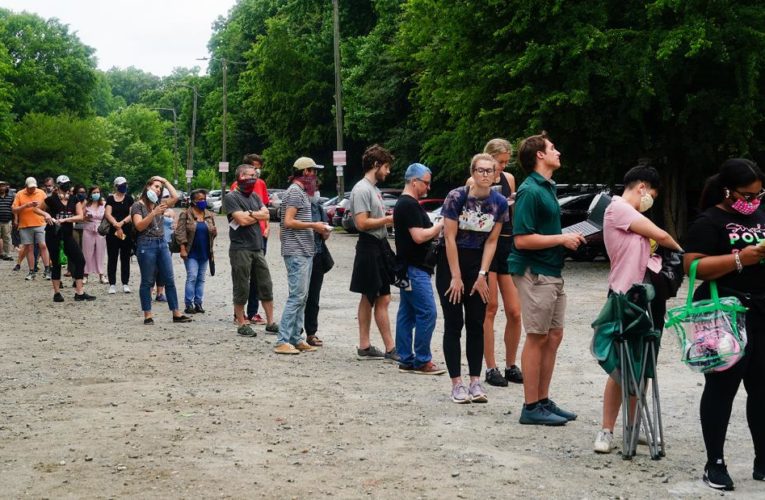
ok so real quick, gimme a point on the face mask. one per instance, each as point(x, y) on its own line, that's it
point(95, 196)
point(646, 202)
point(152, 196)
point(309, 184)
point(246, 186)
point(201, 205)
point(81, 196)
point(122, 188)
point(745, 207)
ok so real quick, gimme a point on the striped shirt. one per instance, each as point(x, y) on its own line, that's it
point(6, 213)
point(297, 241)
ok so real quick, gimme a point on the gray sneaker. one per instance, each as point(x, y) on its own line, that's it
point(460, 394)
point(477, 393)
point(371, 353)
point(30, 276)
point(392, 356)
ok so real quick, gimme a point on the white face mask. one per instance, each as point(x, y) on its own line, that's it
point(152, 196)
point(646, 202)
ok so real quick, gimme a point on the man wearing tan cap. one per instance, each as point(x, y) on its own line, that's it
point(32, 222)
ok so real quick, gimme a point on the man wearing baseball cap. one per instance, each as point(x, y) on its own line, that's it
point(6, 217)
point(32, 222)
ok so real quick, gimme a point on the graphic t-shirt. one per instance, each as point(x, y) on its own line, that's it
point(61, 209)
point(475, 217)
point(718, 232)
point(408, 213)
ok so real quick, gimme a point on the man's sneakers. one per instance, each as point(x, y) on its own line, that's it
point(514, 375)
point(272, 328)
point(112, 289)
point(257, 319)
point(557, 410)
point(460, 394)
point(371, 353)
point(392, 356)
point(716, 476)
point(189, 310)
point(246, 331)
point(81, 297)
point(286, 349)
point(494, 377)
point(57, 297)
point(537, 414)
point(125, 289)
point(604, 441)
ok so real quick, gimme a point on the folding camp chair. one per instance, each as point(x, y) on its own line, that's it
point(626, 344)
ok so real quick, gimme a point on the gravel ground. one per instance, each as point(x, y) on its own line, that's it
point(94, 404)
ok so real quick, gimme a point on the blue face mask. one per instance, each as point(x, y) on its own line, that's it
point(96, 196)
point(152, 196)
point(201, 205)
point(122, 188)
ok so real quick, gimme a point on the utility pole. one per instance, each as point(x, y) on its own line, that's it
point(338, 98)
point(225, 122)
point(175, 133)
point(190, 160)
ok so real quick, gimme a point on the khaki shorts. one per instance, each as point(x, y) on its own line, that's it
point(244, 264)
point(543, 302)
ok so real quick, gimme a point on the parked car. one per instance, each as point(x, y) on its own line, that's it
point(330, 206)
point(339, 211)
point(274, 202)
point(389, 201)
point(576, 208)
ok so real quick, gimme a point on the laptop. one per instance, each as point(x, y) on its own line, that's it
point(594, 222)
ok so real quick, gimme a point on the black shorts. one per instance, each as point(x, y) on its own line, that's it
point(499, 262)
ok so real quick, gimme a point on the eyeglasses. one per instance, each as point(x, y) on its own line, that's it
point(752, 196)
point(427, 183)
point(484, 171)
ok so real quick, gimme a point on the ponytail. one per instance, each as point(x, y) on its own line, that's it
point(712, 193)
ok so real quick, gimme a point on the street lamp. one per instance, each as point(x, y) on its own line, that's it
point(175, 131)
point(190, 161)
point(224, 63)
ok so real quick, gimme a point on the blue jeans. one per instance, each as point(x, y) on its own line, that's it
point(416, 313)
point(298, 278)
point(155, 262)
point(195, 281)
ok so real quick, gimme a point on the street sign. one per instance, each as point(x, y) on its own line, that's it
point(339, 171)
point(223, 166)
point(339, 158)
point(189, 173)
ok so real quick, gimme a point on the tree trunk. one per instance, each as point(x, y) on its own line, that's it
point(675, 201)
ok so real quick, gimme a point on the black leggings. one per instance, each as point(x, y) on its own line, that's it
point(72, 251)
point(311, 324)
point(720, 390)
point(474, 313)
point(116, 247)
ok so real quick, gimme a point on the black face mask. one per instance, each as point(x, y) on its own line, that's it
point(81, 196)
point(65, 186)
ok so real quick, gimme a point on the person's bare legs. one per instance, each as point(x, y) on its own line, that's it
point(268, 307)
point(511, 301)
point(382, 320)
point(612, 401)
point(239, 313)
point(30, 252)
point(549, 353)
point(488, 322)
point(531, 363)
point(44, 254)
point(365, 321)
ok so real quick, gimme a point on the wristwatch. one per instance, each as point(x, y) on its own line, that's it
point(482, 273)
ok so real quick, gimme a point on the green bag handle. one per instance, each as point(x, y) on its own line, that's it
point(692, 282)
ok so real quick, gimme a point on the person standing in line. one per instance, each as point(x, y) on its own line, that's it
point(372, 265)
point(168, 226)
point(416, 318)
point(246, 249)
point(473, 218)
point(32, 221)
point(195, 232)
point(727, 239)
point(6, 220)
point(64, 210)
point(298, 248)
point(321, 261)
point(93, 244)
point(536, 262)
point(151, 248)
point(627, 234)
point(119, 241)
point(500, 280)
point(262, 191)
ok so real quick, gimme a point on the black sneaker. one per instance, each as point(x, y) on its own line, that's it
point(758, 472)
point(514, 375)
point(79, 297)
point(198, 308)
point(57, 297)
point(189, 310)
point(17, 267)
point(182, 319)
point(716, 476)
point(495, 378)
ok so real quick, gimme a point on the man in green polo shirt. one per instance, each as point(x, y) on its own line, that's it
point(535, 262)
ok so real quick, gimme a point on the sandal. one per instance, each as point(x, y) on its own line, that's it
point(314, 341)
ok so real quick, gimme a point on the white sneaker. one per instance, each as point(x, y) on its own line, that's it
point(125, 288)
point(604, 442)
point(112, 289)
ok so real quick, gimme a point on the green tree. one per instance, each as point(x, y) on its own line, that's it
point(130, 83)
point(52, 71)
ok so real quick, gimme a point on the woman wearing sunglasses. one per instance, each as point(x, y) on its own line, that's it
point(727, 239)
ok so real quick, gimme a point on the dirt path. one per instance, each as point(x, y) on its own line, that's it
point(93, 404)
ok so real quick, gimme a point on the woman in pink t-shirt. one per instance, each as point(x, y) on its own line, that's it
point(627, 234)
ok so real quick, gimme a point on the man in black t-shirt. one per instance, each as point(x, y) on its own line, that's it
point(417, 310)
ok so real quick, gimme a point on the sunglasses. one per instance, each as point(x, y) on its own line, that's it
point(749, 197)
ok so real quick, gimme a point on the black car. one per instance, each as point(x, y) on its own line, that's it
point(576, 204)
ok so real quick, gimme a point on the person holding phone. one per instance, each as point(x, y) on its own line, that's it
point(152, 250)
